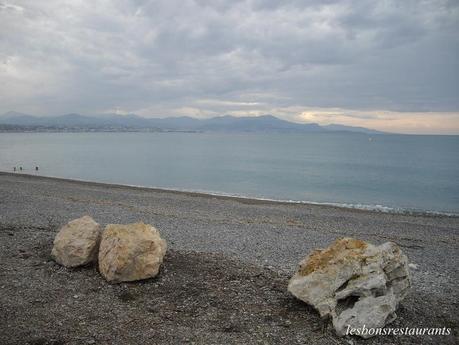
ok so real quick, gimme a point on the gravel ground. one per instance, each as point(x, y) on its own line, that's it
point(224, 278)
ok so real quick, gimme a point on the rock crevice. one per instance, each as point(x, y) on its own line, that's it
point(353, 282)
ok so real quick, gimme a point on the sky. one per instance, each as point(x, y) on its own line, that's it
point(387, 65)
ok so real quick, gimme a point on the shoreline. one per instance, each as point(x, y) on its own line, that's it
point(248, 199)
point(271, 233)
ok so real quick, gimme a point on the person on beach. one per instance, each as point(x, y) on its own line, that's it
point(14, 169)
point(36, 168)
point(20, 168)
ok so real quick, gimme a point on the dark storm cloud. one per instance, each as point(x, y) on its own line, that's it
point(211, 57)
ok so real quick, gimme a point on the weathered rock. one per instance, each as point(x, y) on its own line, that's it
point(130, 252)
point(77, 242)
point(353, 282)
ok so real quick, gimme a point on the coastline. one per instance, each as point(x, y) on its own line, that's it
point(67, 198)
point(217, 246)
point(249, 199)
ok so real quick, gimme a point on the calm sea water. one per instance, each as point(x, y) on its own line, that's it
point(398, 172)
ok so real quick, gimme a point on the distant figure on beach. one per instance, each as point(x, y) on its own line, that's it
point(36, 168)
point(14, 169)
point(20, 168)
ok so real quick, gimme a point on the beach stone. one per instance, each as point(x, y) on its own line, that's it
point(353, 282)
point(130, 252)
point(77, 242)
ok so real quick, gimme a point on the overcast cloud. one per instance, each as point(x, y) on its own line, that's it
point(391, 65)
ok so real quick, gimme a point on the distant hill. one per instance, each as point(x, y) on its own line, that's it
point(114, 122)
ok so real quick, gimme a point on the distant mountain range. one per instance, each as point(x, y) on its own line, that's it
point(112, 122)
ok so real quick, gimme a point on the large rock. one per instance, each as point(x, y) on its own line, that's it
point(353, 282)
point(130, 252)
point(77, 242)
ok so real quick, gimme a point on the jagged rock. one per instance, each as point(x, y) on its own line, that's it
point(130, 252)
point(77, 242)
point(353, 282)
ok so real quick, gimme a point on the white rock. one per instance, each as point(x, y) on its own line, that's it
point(130, 252)
point(77, 242)
point(353, 282)
point(413, 266)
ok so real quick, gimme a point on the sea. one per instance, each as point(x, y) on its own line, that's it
point(388, 173)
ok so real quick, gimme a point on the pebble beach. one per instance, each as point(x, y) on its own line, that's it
point(224, 277)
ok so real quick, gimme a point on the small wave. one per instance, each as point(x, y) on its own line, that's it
point(385, 209)
point(365, 207)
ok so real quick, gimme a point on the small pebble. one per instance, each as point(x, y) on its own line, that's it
point(413, 266)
